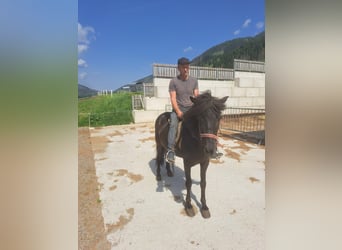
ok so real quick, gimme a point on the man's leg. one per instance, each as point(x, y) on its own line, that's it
point(170, 155)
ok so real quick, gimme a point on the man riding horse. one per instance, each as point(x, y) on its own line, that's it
point(181, 88)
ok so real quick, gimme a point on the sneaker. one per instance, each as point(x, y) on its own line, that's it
point(170, 156)
point(217, 155)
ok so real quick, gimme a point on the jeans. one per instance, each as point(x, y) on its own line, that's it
point(173, 128)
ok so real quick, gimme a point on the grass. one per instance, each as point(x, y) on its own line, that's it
point(105, 110)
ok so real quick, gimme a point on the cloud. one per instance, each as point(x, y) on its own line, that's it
point(82, 47)
point(82, 75)
point(85, 34)
point(188, 49)
point(82, 63)
point(246, 23)
point(259, 25)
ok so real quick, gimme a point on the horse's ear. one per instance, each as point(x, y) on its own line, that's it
point(193, 99)
point(224, 99)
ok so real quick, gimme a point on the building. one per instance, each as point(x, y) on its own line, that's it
point(245, 86)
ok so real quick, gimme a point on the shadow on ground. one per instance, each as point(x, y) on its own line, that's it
point(256, 137)
point(175, 184)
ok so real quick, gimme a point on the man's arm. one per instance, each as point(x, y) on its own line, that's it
point(196, 92)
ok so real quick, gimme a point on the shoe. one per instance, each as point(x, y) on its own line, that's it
point(217, 155)
point(170, 156)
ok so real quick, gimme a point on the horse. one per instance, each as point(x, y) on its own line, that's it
point(196, 143)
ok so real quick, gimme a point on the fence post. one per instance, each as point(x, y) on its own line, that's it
point(89, 120)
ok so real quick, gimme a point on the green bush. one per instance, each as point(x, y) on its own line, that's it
point(107, 110)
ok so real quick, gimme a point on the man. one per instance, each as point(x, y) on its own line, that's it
point(180, 89)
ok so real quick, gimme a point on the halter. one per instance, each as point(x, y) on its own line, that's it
point(208, 135)
point(211, 136)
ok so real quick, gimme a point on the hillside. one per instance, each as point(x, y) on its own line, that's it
point(223, 55)
point(84, 91)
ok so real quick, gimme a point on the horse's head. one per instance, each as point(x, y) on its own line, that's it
point(207, 111)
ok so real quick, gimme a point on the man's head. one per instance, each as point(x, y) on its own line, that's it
point(183, 61)
point(183, 67)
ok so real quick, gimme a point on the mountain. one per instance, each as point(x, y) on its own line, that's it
point(223, 55)
point(136, 86)
point(84, 91)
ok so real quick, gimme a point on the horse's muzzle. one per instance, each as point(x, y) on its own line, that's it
point(209, 150)
point(210, 143)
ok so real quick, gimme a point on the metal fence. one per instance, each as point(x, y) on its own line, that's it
point(149, 89)
point(250, 66)
point(246, 122)
point(137, 102)
point(169, 71)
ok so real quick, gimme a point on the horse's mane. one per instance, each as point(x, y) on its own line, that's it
point(204, 102)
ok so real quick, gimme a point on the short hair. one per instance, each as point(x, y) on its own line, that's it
point(183, 61)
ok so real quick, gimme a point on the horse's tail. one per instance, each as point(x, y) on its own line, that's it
point(161, 129)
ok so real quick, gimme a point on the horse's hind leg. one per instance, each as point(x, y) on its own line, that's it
point(159, 161)
point(168, 169)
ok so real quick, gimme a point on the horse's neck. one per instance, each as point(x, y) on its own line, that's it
point(189, 143)
point(190, 127)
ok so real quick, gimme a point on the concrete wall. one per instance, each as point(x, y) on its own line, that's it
point(249, 79)
point(142, 116)
point(246, 90)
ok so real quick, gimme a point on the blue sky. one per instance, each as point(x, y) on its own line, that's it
point(119, 40)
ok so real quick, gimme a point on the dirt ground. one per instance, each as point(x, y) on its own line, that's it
point(122, 206)
point(91, 232)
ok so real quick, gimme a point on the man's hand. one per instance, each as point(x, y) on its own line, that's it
point(180, 114)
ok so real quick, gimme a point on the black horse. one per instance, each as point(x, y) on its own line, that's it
point(196, 144)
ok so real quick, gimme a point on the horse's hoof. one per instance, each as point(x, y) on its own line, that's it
point(190, 212)
point(205, 213)
point(170, 174)
point(158, 178)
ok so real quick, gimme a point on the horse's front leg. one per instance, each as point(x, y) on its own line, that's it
point(158, 176)
point(188, 182)
point(204, 210)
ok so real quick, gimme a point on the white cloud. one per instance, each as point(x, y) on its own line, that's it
point(85, 34)
point(236, 32)
point(246, 23)
point(82, 63)
point(82, 47)
point(188, 49)
point(259, 25)
point(82, 75)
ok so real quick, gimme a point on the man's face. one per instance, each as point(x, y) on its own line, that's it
point(184, 70)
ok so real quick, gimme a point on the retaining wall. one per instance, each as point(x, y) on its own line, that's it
point(247, 90)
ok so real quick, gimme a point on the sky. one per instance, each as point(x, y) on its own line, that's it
point(120, 40)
